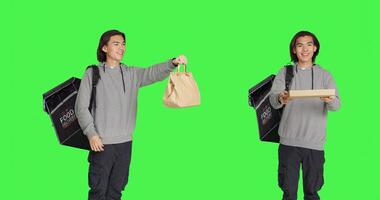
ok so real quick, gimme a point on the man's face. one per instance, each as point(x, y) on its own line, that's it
point(305, 49)
point(115, 48)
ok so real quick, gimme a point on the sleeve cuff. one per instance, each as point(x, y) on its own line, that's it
point(171, 65)
point(89, 132)
point(278, 102)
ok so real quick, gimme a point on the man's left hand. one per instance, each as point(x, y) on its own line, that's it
point(328, 99)
point(180, 60)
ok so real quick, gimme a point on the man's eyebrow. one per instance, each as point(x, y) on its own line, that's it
point(310, 42)
point(118, 42)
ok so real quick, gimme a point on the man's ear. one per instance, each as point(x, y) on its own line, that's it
point(315, 49)
point(294, 51)
point(104, 48)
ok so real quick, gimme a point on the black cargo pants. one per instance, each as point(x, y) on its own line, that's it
point(108, 171)
point(290, 159)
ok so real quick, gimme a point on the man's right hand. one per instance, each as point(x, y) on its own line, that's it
point(96, 143)
point(283, 98)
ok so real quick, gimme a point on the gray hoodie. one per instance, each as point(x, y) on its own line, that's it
point(114, 118)
point(303, 122)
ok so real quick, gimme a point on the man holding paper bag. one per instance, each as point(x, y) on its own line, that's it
point(110, 122)
point(302, 128)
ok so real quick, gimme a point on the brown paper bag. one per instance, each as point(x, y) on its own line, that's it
point(182, 90)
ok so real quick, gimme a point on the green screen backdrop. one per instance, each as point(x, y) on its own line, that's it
point(206, 152)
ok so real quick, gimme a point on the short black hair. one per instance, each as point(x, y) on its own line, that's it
point(292, 45)
point(104, 39)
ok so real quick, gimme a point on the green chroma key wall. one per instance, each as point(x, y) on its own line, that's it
point(206, 152)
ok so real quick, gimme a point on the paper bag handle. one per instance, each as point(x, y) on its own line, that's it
point(184, 68)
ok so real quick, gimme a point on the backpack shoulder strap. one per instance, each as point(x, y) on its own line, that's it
point(95, 80)
point(288, 76)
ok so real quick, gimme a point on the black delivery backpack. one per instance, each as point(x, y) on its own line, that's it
point(268, 118)
point(59, 103)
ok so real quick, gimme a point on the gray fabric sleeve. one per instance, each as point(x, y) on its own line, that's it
point(85, 119)
point(277, 87)
point(154, 73)
point(334, 105)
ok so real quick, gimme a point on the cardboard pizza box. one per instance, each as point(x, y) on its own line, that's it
point(311, 93)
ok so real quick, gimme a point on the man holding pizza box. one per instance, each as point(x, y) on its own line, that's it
point(312, 93)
